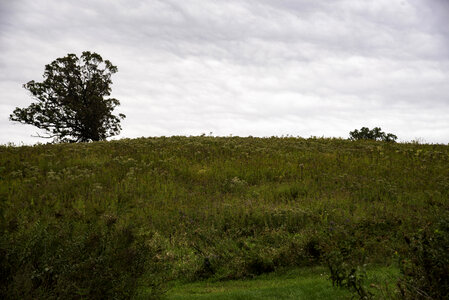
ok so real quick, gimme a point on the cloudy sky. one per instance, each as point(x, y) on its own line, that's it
point(245, 67)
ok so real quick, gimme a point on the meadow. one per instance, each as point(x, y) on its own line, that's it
point(137, 218)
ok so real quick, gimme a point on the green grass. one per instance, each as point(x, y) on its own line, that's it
point(304, 283)
point(297, 284)
point(211, 208)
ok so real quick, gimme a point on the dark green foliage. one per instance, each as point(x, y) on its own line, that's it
point(346, 275)
point(375, 134)
point(73, 261)
point(71, 104)
point(425, 266)
point(313, 249)
point(344, 254)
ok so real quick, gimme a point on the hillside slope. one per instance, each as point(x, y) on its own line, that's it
point(201, 207)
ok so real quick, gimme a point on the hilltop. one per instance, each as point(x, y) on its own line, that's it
point(111, 218)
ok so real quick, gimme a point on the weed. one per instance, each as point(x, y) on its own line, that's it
point(133, 213)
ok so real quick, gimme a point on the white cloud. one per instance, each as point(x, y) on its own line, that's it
point(249, 67)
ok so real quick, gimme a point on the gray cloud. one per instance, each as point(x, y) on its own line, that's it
point(249, 67)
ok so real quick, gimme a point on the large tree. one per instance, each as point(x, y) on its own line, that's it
point(72, 103)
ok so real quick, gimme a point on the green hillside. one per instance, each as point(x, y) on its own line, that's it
point(110, 219)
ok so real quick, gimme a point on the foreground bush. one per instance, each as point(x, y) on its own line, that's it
point(344, 254)
point(48, 261)
point(425, 270)
point(423, 264)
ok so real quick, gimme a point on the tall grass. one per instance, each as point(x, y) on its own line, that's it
point(197, 207)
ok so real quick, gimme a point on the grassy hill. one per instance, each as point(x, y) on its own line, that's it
point(112, 218)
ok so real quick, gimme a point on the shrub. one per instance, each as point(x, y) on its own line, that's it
point(375, 134)
point(346, 273)
point(344, 254)
point(49, 261)
point(425, 269)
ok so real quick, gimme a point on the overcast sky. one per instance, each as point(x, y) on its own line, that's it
point(245, 67)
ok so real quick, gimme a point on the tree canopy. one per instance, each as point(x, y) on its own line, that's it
point(374, 134)
point(72, 103)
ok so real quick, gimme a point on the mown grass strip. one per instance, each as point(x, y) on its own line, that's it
point(304, 283)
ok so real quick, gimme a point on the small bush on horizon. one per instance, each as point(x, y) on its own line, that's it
point(375, 134)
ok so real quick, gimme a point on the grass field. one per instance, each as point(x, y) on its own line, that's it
point(114, 218)
point(302, 283)
point(309, 283)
